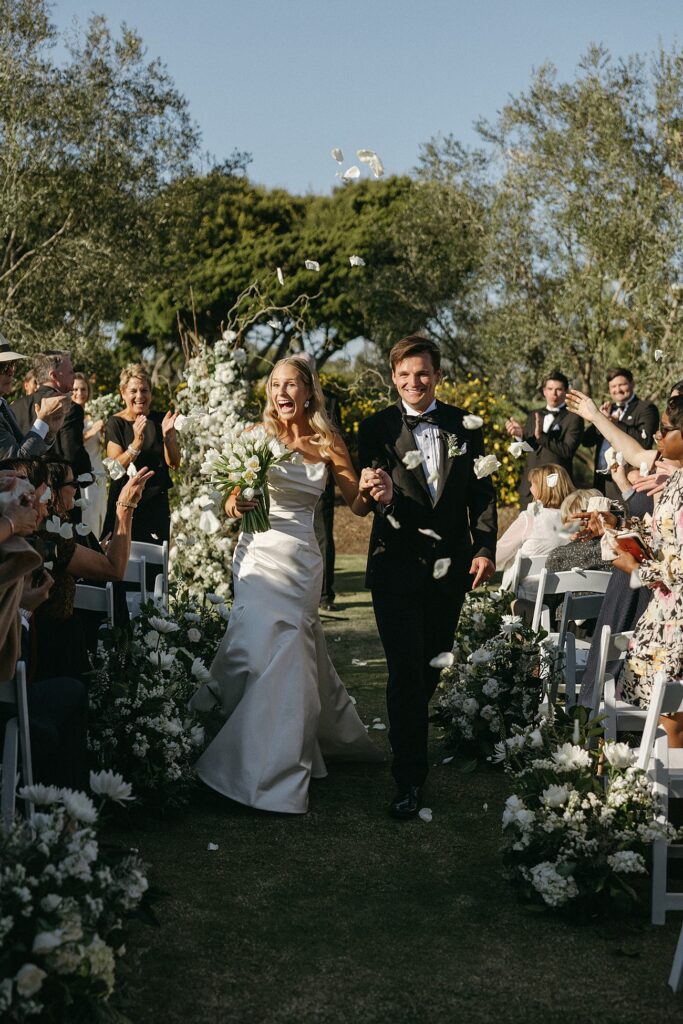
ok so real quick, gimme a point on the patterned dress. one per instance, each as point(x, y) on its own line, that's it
point(657, 643)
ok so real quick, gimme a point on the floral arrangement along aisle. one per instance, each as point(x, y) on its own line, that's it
point(573, 837)
point(210, 404)
point(492, 680)
point(144, 677)
point(64, 899)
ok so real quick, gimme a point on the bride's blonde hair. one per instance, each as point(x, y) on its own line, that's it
point(324, 433)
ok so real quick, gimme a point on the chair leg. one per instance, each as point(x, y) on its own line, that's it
point(659, 872)
point(677, 965)
point(10, 762)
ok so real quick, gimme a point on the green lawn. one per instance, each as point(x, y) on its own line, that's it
point(344, 916)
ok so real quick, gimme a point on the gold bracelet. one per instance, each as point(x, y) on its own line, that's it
point(128, 504)
point(11, 524)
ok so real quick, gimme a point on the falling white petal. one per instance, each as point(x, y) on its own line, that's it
point(447, 760)
point(280, 275)
point(275, 324)
point(441, 567)
point(356, 261)
point(643, 434)
point(433, 478)
point(369, 157)
point(471, 422)
point(412, 459)
point(45, 496)
point(430, 533)
point(132, 471)
point(484, 465)
point(211, 847)
point(357, 661)
point(578, 569)
point(351, 173)
point(393, 522)
point(425, 814)
point(644, 469)
point(82, 529)
point(338, 155)
point(552, 479)
point(658, 354)
point(444, 660)
point(312, 265)
point(380, 726)
point(517, 448)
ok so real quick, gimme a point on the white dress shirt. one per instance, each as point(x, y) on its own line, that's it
point(427, 440)
point(550, 417)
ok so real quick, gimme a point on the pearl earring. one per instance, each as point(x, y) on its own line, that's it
point(306, 403)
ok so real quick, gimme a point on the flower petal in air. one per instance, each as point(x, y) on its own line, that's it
point(338, 155)
point(471, 422)
point(484, 465)
point(441, 567)
point(430, 533)
point(412, 459)
point(312, 265)
point(425, 814)
point(393, 521)
point(351, 173)
point(658, 354)
point(280, 275)
point(518, 448)
point(443, 660)
point(356, 261)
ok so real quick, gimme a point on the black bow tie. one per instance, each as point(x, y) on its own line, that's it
point(426, 417)
point(553, 412)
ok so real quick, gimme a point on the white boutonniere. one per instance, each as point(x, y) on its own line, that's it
point(454, 447)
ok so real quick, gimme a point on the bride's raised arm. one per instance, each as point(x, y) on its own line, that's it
point(360, 495)
point(633, 452)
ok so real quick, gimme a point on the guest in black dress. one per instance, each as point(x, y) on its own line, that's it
point(147, 439)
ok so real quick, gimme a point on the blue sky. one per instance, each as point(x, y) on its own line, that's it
point(287, 80)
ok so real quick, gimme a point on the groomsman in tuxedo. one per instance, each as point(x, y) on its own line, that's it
point(55, 374)
point(433, 540)
point(637, 418)
point(551, 434)
point(46, 415)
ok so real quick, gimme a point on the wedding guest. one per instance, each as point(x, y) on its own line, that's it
point(30, 383)
point(632, 416)
point(45, 415)
point(95, 494)
point(55, 374)
point(136, 435)
point(17, 558)
point(583, 551)
point(539, 528)
point(62, 647)
point(553, 433)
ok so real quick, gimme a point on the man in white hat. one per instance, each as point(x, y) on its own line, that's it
point(49, 414)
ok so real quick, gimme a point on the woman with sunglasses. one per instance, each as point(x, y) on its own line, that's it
point(61, 638)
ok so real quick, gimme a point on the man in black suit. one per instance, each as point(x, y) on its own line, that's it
point(45, 415)
point(553, 433)
point(438, 528)
point(637, 418)
point(55, 373)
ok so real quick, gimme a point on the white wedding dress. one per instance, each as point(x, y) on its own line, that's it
point(285, 705)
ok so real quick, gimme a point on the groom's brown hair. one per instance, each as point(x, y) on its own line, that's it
point(414, 345)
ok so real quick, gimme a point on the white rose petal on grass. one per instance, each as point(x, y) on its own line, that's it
point(356, 261)
point(351, 173)
point(425, 814)
point(338, 155)
point(280, 275)
point(380, 726)
point(430, 533)
point(472, 422)
point(441, 567)
point(29, 979)
point(212, 847)
point(312, 265)
point(413, 459)
point(443, 660)
point(447, 760)
point(518, 448)
point(552, 479)
point(485, 465)
point(112, 785)
point(393, 522)
point(357, 661)
point(658, 354)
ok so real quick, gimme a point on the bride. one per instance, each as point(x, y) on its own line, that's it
point(284, 703)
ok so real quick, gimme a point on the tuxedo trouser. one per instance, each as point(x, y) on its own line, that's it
point(57, 712)
point(414, 627)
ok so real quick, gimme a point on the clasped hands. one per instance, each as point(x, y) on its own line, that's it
point(376, 484)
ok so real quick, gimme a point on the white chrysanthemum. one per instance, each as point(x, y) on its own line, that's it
point(112, 785)
point(555, 796)
point(79, 806)
point(569, 757)
point(619, 755)
point(40, 795)
point(29, 979)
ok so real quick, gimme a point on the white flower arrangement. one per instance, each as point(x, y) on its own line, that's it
point(143, 679)
point(64, 900)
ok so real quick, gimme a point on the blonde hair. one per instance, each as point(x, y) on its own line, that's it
point(82, 376)
point(577, 501)
point(551, 497)
point(324, 433)
point(134, 371)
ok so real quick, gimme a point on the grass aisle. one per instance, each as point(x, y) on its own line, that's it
point(344, 916)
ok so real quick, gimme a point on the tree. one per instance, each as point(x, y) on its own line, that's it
point(84, 149)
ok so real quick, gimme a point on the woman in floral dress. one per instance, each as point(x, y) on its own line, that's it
point(657, 643)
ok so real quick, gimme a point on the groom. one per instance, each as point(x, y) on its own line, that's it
point(438, 530)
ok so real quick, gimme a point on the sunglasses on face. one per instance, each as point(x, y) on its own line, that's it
point(664, 430)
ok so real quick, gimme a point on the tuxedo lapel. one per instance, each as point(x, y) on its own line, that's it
point(405, 442)
point(446, 426)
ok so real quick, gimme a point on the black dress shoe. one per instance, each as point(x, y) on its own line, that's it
point(406, 803)
point(328, 606)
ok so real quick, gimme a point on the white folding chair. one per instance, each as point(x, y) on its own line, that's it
point(153, 554)
point(677, 965)
point(17, 746)
point(525, 573)
point(96, 599)
point(571, 654)
point(618, 714)
point(665, 766)
point(136, 572)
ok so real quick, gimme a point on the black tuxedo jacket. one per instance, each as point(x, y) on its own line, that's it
point(68, 442)
point(463, 512)
point(558, 445)
point(640, 421)
point(16, 443)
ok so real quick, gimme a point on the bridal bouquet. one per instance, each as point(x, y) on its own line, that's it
point(245, 461)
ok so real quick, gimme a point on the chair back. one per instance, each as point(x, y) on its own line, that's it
point(525, 566)
point(153, 554)
point(96, 599)
point(666, 699)
point(17, 741)
point(589, 582)
point(613, 647)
